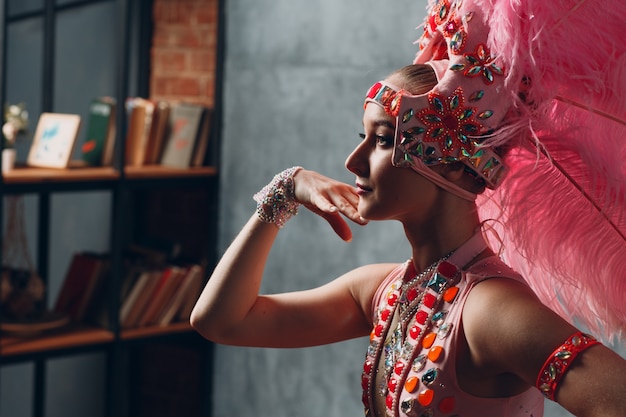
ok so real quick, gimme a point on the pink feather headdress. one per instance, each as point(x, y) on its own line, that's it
point(560, 215)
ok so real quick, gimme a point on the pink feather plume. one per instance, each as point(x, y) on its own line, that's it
point(562, 211)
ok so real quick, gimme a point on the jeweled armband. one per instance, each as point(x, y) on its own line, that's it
point(560, 360)
point(276, 202)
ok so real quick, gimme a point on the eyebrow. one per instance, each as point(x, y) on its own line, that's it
point(384, 123)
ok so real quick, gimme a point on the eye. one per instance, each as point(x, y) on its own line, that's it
point(362, 136)
point(384, 140)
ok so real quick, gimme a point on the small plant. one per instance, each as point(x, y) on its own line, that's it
point(15, 122)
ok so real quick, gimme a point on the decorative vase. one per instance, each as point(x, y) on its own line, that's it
point(8, 159)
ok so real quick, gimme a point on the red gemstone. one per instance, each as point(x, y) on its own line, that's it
point(414, 332)
point(365, 382)
point(389, 401)
point(392, 384)
point(367, 366)
point(385, 315)
point(398, 368)
point(429, 300)
point(447, 269)
point(391, 300)
point(378, 330)
point(421, 317)
point(411, 294)
point(447, 405)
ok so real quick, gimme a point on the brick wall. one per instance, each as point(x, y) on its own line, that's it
point(183, 51)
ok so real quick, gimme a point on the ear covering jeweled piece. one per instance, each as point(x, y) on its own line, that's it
point(444, 132)
point(460, 118)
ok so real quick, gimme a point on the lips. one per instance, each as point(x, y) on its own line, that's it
point(362, 189)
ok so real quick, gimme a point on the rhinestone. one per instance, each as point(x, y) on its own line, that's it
point(485, 115)
point(407, 405)
point(444, 330)
point(563, 355)
point(437, 282)
point(477, 95)
point(438, 317)
point(419, 363)
point(430, 376)
point(407, 115)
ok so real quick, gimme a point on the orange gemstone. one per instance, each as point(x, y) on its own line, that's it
point(425, 397)
point(429, 339)
point(450, 294)
point(434, 354)
point(411, 384)
point(447, 405)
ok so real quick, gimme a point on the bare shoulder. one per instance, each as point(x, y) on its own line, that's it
point(365, 280)
point(509, 330)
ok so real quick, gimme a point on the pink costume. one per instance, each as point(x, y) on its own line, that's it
point(417, 377)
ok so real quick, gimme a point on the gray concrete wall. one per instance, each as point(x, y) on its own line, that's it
point(295, 78)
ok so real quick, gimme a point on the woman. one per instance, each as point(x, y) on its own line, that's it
point(454, 331)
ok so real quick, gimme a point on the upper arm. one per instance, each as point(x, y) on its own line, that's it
point(509, 330)
point(338, 310)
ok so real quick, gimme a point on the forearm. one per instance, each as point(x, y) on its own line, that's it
point(233, 288)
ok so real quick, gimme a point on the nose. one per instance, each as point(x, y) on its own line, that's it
point(357, 162)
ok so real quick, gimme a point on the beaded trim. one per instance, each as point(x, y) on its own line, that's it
point(443, 276)
point(276, 202)
point(560, 360)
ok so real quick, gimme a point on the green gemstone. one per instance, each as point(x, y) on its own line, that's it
point(477, 95)
point(485, 115)
point(407, 115)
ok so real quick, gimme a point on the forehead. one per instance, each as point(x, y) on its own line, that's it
point(374, 116)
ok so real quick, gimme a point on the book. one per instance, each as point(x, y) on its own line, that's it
point(158, 131)
point(185, 125)
point(138, 298)
point(202, 142)
point(54, 140)
point(140, 112)
point(189, 284)
point(170, 279)
point(191, 298)
point(79, 284)
point(97, 149)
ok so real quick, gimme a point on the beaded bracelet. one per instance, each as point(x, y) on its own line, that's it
point(276, 202)
point(559, 361)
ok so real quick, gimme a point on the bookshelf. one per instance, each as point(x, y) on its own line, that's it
point(125, 350)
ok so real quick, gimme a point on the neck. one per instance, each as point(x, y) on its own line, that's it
point(433, 239)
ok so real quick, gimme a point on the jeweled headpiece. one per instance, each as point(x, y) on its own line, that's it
point(455, 120)
point(545, 79)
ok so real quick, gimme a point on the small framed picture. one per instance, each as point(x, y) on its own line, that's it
point(54, 140)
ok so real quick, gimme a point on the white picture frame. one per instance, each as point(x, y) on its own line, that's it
point(54, 140)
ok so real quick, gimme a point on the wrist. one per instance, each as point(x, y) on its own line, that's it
point(276, 202)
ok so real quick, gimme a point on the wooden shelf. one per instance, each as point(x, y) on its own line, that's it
point(69, 337)
point(30, 175)
point(151, 331)
point(158, 171)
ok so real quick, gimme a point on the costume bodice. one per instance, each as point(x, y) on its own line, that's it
point(410, 365)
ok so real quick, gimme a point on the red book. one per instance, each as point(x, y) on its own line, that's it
point(80, 281)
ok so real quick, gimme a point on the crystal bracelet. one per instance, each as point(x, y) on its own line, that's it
point(276, 202)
